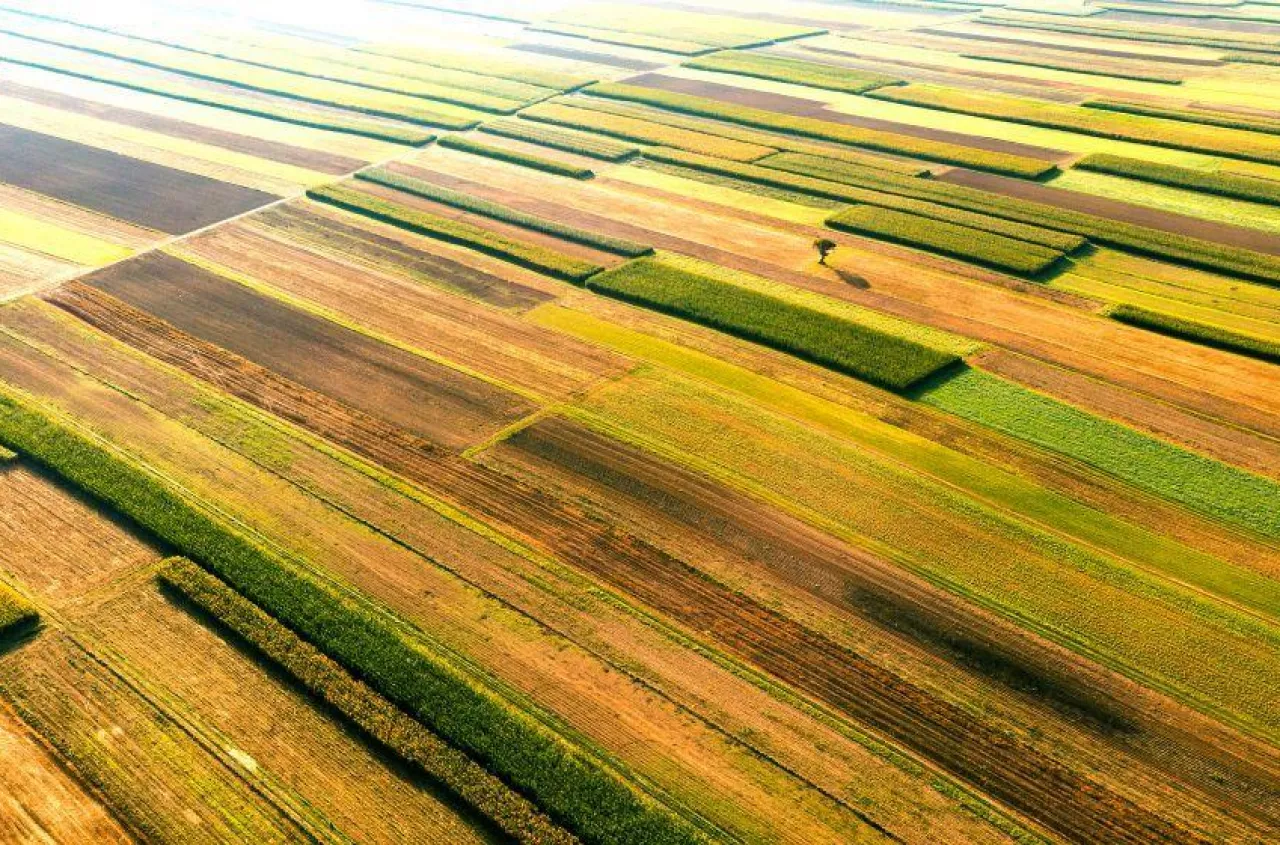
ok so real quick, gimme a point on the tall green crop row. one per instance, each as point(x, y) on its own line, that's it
point(574, 789)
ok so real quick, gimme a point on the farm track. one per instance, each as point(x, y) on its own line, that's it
point(1004, 767)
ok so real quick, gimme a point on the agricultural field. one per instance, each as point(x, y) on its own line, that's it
point(640, 423)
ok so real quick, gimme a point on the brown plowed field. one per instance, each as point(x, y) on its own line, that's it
point(270, 150)
point(313, 224)
point(479, 338)
point(430, 399)
point(699, 519)
point(140, 192)
point(813, 108)
point(848, 682)
point(1138, 215)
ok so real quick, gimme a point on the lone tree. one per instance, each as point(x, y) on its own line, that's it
point(824, 246)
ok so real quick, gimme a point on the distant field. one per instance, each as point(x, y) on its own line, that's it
point(623, 423)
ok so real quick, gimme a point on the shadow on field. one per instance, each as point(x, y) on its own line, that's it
point(402, 769)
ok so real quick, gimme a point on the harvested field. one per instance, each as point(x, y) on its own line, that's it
point(640, 423)
point(42, 802)
point(144, 194)
point(439, 403)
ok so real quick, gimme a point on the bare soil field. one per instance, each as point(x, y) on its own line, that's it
point(138, 192)
point(340, 362)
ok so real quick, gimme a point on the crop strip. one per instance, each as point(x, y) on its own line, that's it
point(873, 139)
point(1140, 129)
point(1134, 33)
point(860, 185)
point(1079, 67)
point(559, 168)
point(455, 231)
point(1000, 764)
point(371, 712)
point(795, 71)
point(1221, 184)
point(1196, 332)
point(467, 202)
point(862, 351)
point(573, 788)
point(946, 238)
point(566, 140)
point(1209, 118)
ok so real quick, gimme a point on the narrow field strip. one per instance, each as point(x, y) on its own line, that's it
point(571, 787)
point(873, 139)
point(1221, 184)
point(945, 238)
point(1200, 483)
point(487, 63)
point(1196, 332)
point(1210, 118)
point(559, 168)
point(565, 140)
point(51, 239)
point(376, 716)
point(1085, 67)
point(467, 202)
point(794, 71)
point(868, 353)
point(323, 92)
point(1230, 143)
point(455, 231)
point(641, 131)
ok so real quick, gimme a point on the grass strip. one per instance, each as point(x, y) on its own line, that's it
point(1252, 58)
point(861, 186)
point(568, 140)
point(1267, 126)
point(642, 131)
point(258, 108)
point(455, 231)
point(1153, 465)
point(17, 615)
point(786, 143)
point(559, 168)
point(854, 136)
point(795, 71)
point(1202, 333)
point(946, 238)
point(1079, 67)
point(371, 712)
point(1158, 132)
point(577, 791)
point(467, 202)
point(865, 352)
point(1221, 184)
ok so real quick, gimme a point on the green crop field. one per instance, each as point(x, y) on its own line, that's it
point(635, 423)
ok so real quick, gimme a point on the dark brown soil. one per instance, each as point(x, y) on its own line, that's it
point(1138, 215)
point(1077, 806)
point(270, 150)
point(812, 108)
point(429, 399)
point(139, 192)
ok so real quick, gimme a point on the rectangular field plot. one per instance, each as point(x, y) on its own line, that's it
point(138, 192)
point(423, 396)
